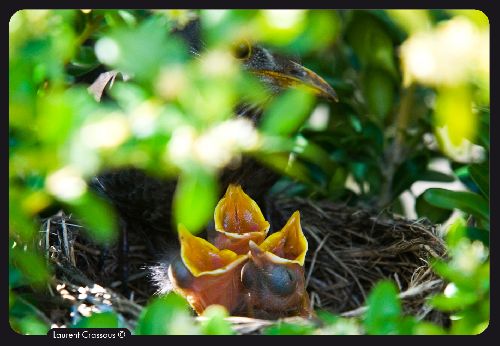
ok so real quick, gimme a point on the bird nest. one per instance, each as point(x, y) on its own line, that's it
point(350, 250)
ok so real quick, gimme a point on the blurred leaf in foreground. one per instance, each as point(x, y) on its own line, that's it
point(284, 328)
point(384, 315)
point(384, 309)
point(167, 315)
point(336, 325)
point(195, 199)
point(32, 265)
point(99, 320)
point(98, 217)
point(287, 113)
point(215, 323)
point(467, 294)
point(29, 325)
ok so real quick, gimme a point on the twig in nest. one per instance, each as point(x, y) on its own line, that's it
point(346, 268)
point(47, 242)
point(91, 251)
point(68, 250)
point(313, 261)
point(131, 278)
point(411, 292)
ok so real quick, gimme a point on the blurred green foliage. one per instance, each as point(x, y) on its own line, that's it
point(409, 95)
point(167, 315)
point(384, 312)
point(99, 320)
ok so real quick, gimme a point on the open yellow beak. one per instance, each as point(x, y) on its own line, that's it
point(288, 245)
point(203, 258)
point(206, 275)
point(238, 219)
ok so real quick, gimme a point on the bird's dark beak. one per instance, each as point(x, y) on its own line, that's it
point(296, 75)
point(260, 257)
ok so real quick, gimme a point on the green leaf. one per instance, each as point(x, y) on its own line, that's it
point(15, 277)
point(474, 233)
point(322, 28)
point(287, 112)
point(480, 174)
point(406, 325)
point(337, 181)
point(315, 154)
point(32, 266)
point(327, 317)
point(282, 163)
point(20, 224)
point(454, 275)
point(284, 328)
point(55, 118)
point(468, 202)
point(127, 94)
point(434, 214)
point(407, 173)
point(427, 328)
point(216, 323)
point(84, 62)
point(460, 300)
point(456, 232)
point(373, 134)
point(195, 199)
point(484, 130)
point(431, 175)
point(470, 323)
point(167, 315)
point(29, 325)
point(463, 174)
point(99, 320)
point(384, 309)
point(142, 50)
point(371, 43)
point(98, 216)
point(379, 92)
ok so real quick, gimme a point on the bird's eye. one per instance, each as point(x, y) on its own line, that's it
point(248, 275)
point(242, 50)
point(282, 281)
point(181, 274)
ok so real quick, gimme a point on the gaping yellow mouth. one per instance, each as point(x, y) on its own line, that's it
point(203, 258)
point(238, 219)
point(288, 245)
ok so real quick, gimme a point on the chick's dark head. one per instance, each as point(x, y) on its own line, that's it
point(274, 288)
point(274, 278)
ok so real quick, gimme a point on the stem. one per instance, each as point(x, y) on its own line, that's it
point(90, 27)
point(395, 153)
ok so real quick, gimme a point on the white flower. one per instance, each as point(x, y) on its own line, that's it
point(448, 55)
